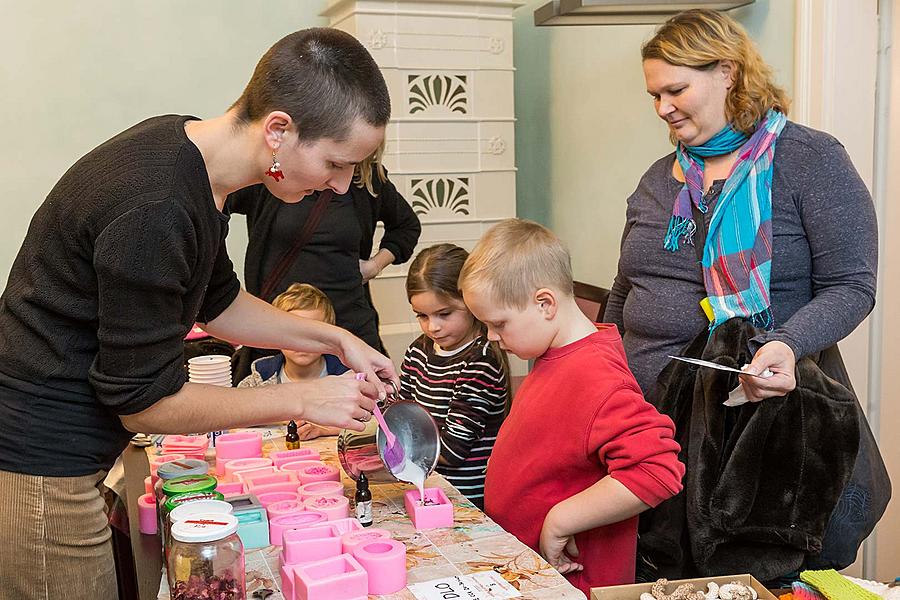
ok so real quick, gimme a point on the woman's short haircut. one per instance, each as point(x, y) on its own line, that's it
point(514, 259)
point(303, 296)
point(700, 39)
point(323, 78)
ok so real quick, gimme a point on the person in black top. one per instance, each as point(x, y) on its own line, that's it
point(337, 258)
point(125, 254)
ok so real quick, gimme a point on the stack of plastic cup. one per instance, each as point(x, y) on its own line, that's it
point(213, 369)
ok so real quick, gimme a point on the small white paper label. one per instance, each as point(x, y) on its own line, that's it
point(484, 585)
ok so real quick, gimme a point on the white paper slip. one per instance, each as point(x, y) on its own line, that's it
point(736, 397)
point(484, 585)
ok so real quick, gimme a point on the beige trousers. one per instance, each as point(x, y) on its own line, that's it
point(55, 541)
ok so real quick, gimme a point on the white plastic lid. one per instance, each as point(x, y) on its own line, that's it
point(183, 511)
point(205, 527)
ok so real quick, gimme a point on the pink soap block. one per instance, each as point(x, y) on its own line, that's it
point(234, 488)
point(273, 497)
point(245, 464)
point(352, 539)
point(290, 486)
point(310, 544)
point(246, 474)
point(321, 472)
point(285, 456)
point(287, 582)
point(385, 562)
point(320, 488)
point(256, 480)
point(338, 578)
point(298, 520)
point(284, 507)
point(147, 521)
point(242, 444)
point(438, 511)
point(334, 507)
point(298, 465)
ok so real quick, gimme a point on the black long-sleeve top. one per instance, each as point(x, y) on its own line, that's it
point(124, 255)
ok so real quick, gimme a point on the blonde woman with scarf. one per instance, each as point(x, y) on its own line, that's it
point(751, 217)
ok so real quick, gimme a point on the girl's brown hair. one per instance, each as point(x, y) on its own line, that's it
point(700, 39)
point(436, 269)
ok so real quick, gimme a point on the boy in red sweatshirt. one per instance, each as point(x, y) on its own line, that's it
point(581, 453)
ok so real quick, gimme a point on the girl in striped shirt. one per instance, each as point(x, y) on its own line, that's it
point(453, 371)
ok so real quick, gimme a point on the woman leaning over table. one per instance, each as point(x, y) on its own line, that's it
point(796, 219)
point(125, 254)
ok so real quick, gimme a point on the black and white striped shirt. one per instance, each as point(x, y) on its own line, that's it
point(465, 392)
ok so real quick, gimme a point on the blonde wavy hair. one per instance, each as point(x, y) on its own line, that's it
point(700, 39)
point(362, 175)
point(303, 296)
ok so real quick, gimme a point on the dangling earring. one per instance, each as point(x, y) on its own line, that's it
point(275, 171)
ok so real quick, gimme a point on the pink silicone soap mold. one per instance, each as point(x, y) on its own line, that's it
point(298, 520)
point(437, 510)
point(310, 544)
point(338, 578)
point(320, 488)
point(334, 507)
point(385, 562)
point(285, 456)
point(321, 472)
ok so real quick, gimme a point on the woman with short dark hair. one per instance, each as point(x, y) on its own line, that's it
point(125, 254)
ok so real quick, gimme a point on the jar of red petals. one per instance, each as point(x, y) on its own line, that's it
point(207, 559)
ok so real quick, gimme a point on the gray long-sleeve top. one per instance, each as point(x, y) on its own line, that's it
point(825, 255)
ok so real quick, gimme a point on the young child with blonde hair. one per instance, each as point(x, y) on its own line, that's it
point(453, 371)
point(310, 302)
point(581, 453)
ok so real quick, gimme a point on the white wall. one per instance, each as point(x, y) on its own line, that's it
point(76, 73)
point(586, 128)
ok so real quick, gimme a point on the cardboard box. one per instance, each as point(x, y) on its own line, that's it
point(634, 591)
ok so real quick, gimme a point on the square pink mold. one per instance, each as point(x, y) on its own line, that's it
point(437, 511)
point(338, 578)
point(284, 456)
point(310, 544)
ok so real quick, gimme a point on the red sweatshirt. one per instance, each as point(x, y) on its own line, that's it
point(578, 417)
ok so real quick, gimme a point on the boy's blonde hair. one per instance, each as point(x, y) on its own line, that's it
point(303, 296)
point(515, 258)
point(700, 38)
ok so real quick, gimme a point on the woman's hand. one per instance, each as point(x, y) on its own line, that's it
point(362, 358)
point(334, 401)
point(558, 549)
point(310, 431)
point(369, 269)
point(778, 358)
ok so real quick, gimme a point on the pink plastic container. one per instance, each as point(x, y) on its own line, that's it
point(334, 507)
point(348, 525)
point(290, 486)
point(352, 539)
point(244, 464)
point(272, 497)
point(246, 474)
point(148, 484)
point(242, 444)
point(234, 488)
point(338, 578)
point(287, 582)
point(298, 465)
point(284, 507)
point(298, 520)
point(286, 456)
point(385, 562)
point(256, 480)
point(310, 544)
point(321, 472)
point(147, 522)
point(437, 512)
point(317, 489)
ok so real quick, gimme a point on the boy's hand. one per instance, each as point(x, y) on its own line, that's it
point(559, 550)
point(310, 431)
point(334, 401)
